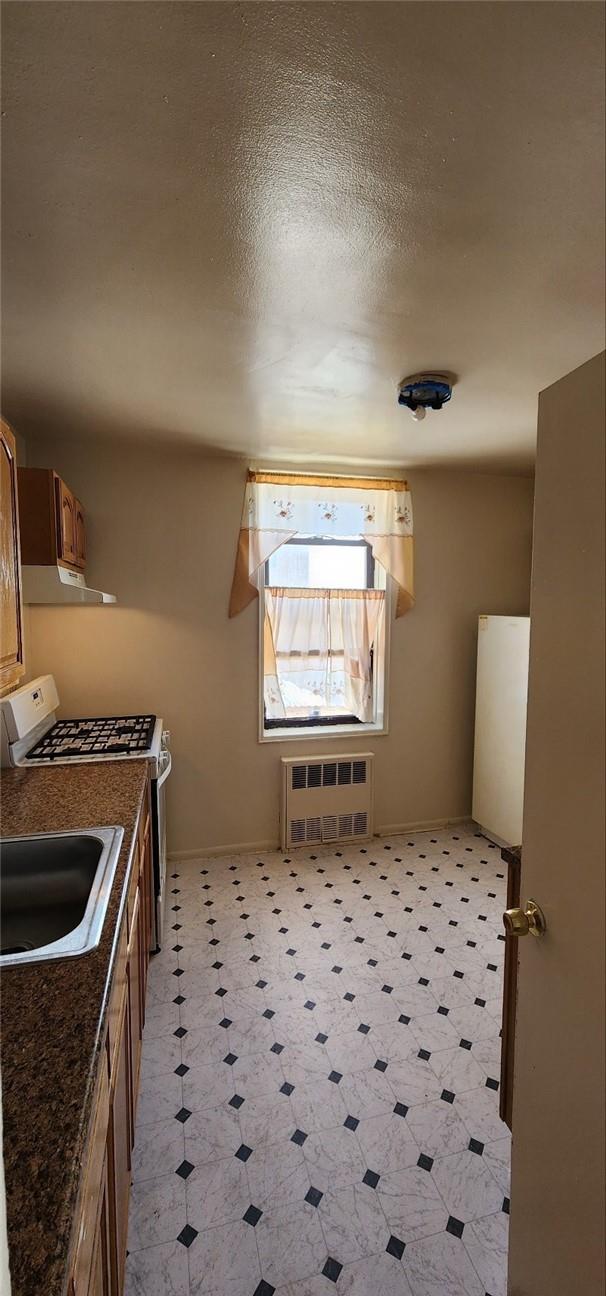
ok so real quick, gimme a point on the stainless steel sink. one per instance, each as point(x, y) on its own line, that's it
point(54, 892)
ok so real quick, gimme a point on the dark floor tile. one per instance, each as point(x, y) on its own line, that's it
point(187, 1235)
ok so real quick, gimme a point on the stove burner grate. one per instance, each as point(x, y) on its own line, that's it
point(94, 737)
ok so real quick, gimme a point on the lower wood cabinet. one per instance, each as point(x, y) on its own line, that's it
point(102, 1225)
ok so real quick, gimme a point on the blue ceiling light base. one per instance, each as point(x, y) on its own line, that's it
point(424, 391)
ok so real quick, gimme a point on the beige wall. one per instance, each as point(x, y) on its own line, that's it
point(558, 1163)
point(162, 536)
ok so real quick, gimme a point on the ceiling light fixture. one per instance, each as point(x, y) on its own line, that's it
point(423, 391)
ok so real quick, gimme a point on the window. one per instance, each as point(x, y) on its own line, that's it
point(323, 619)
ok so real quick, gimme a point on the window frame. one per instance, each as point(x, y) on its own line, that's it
point(325, 728)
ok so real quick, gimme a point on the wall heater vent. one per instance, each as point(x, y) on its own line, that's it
point(326, 799)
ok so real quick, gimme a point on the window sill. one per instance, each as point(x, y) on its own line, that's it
point(323, 731)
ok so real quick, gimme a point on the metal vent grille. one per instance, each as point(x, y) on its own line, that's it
point(346, 825)
point(327, 828)
point(329, 774)
point(326, 799)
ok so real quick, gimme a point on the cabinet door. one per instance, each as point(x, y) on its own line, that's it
point(148, 898)
point(66, 508)
point(11, 615)
point(120, 1144)
point(94, 1187)
point(135, 968)
point(80, 535)
point(100, 1276)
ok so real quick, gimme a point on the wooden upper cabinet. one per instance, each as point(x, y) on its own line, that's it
point(52, 520)
point(66, 505)
point(80, 558)
point(12, 665)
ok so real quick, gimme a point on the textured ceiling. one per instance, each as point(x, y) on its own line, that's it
point(241, 224)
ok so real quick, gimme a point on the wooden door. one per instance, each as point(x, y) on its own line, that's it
point(80, 534)
point(66, 508)
point(558, 1163)
point(511, 857)
point(11, 614)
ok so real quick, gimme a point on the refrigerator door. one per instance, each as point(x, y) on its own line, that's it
point(500, 727)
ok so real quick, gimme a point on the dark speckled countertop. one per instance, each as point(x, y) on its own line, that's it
point(52, 1023)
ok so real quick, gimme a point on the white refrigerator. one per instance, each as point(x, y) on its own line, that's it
point(500, 728)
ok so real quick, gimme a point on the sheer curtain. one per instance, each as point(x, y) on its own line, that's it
point(318, 651)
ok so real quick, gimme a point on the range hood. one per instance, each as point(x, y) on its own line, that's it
point(56, 584)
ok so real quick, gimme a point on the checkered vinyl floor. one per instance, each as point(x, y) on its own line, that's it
point(318, 1109)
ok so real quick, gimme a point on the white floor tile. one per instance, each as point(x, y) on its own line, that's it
point(277, 1175)
point(224, 1259)
point(212, 1134)
point(217, 1193)
point(353, 1222)
point(498, 1157)
point(381, 1275)
point(160, 1097)
point(159, 1149)
point(440, 1266)
point(157, 1271)
point(291, 1244)
point(335, 1159)
point(320, 1105)
point(157, 1211)
point(466, 1186)
point(437, 1129)
point(486, 1244)
point(412, 1204)
point(386, 1143)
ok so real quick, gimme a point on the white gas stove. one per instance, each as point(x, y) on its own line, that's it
point(31, 735)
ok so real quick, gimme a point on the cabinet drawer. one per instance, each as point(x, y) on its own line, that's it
point(92, 1190)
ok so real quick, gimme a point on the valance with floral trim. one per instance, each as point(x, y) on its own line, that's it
point(280, 506)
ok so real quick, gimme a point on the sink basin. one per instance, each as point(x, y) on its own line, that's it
point(54, 892)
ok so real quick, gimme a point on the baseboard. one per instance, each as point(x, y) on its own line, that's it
point(236, 848)
point(421, 825)
point(259, 847)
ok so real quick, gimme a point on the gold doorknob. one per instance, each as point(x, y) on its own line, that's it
point(519, 922)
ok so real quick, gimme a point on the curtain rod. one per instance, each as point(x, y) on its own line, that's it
point(328, 479)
